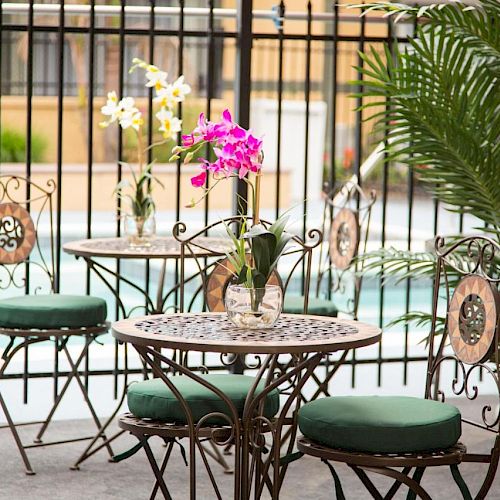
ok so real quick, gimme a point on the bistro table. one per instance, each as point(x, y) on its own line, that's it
point(161, 247)
point(286, 355)
point(115, 249)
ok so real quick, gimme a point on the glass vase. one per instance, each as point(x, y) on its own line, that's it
point(254, 308)
point(140, 230)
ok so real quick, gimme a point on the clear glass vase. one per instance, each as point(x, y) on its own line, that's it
point(140, 230)
point(254, 308)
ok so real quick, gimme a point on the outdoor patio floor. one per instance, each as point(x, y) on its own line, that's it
point(132, 478)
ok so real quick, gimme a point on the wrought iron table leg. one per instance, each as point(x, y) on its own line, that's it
point(300, 372)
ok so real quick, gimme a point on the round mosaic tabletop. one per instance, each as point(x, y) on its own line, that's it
point(161, 247)
point(213, 332)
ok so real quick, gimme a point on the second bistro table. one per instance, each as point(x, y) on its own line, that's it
point(162, 247)
point(114, 249)
point(305, 340)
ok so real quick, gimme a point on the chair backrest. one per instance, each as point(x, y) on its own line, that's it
point(346, 216)
point(24, 208)
point(467, 278)
point(216, 273)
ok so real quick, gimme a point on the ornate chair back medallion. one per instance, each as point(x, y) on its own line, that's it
point(344, 238)
point(17, 233)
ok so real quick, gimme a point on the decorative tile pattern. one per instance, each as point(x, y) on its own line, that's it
point(17, 233)
point(473, 319)
point(344, 238)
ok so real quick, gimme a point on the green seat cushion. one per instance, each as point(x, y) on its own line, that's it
point(52, 311)
point(153, 399)
point(294, 304)
point(385, 424)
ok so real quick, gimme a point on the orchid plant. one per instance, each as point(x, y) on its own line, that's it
point(126, 114)
point(237, 153)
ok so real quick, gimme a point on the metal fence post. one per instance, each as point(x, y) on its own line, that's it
point(243, 80)
point(242, 91)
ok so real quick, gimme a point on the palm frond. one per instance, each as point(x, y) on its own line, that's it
point(443, 117)
point(398, 265)
point(420, 319)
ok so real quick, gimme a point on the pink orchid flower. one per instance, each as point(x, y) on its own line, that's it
point(199, 180)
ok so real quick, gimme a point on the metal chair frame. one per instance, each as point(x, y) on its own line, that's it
point(468, 257)
point(360, 204)
point(35, 201)
point(354, 199)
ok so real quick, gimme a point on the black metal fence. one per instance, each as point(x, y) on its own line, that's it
point(232, 55)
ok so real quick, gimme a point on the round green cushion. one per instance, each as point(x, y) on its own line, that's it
point(385, 424)
point(52, 311)
point(294, 304)
point(153, 399)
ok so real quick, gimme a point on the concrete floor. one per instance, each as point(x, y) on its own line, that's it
point(132, 478)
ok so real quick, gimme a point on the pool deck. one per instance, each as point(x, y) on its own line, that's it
point(132, 478)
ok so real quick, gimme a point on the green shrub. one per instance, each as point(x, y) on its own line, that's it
point(13, 146)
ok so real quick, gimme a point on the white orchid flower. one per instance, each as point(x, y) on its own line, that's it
point(169, 124)
point(164, 98)
point(179, 89)
point(127, 105)
point(111, 109)
point(156, 78)
point(131, 119)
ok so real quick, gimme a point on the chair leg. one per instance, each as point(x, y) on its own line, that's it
point(339, 492)
point(417, 476)
point(156, 471)
point(396, 485)
point(163, 467)
point(492, 470)
point(367, 482)
point(462, 486)
point(17, 439)
point(85, 392)
point(412, 484)
point(71, 375)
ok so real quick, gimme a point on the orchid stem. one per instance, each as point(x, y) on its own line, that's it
point(256, 200)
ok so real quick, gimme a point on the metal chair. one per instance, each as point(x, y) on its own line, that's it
point(26, 218)
point(347, 213)
point(399, 437)
point(209, 280)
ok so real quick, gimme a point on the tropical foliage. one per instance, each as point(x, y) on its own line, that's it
point(438, 99)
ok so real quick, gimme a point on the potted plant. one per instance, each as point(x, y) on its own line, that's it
point(139, 219)
point(251, 302)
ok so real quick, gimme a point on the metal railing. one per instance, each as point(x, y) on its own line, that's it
point(325, 31)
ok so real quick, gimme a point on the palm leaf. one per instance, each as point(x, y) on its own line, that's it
point(443, 117)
